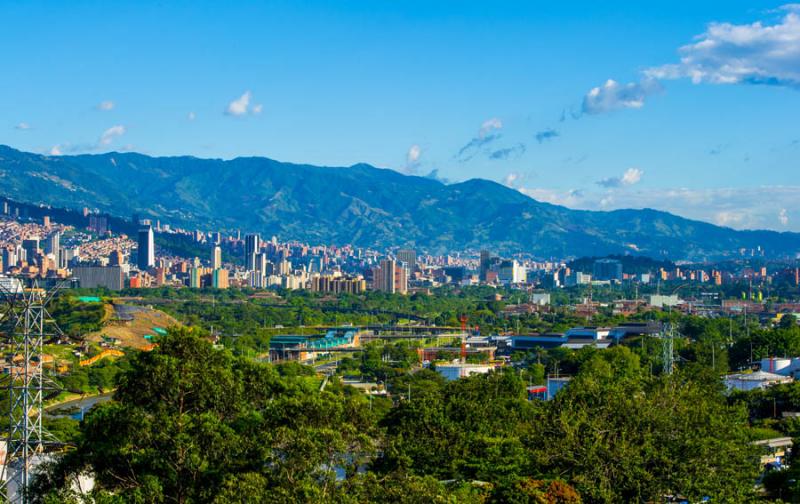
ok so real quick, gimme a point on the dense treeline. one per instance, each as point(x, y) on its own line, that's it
point(246, 320)
point(75, 318)
point(182, 245)
point(631, 264)
point(190, 423)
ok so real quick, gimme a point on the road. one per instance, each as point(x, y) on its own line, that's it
point(75, 408)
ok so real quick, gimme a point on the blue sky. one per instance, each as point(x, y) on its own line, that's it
point(701, 118)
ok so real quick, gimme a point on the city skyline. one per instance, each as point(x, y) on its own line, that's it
point(682, 108)
point(400, 251)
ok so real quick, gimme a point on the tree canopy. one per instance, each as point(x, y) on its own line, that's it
point(193, 423)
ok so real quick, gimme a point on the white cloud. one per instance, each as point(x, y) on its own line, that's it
point(754, 53)
point(572, 198)
point(257, 109)
point(108, 135)
point(105, 105)
point(488, 126)
point(614, 96)
point(413, 159)
point(23, 126)
point(191, 116)
point(240, 106)
point(740, 208)
point(630, 177)
point(413, 154)
point(511, 179)
point(106, 138)
point(730, 218)
point(766, 53)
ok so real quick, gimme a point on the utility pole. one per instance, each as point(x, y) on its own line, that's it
point(667, 350)
point(747, 330)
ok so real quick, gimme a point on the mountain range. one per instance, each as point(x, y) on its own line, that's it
point(361, 205)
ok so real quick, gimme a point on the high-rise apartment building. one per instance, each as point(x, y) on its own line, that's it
point(116, 258)
point(409, 258)
point(484, 264)
point(262, 265)
point(607, 269)
point(91, 277)
point(98, 223)
point(195, 276)
point(328, 283)
point(390, 277)
point(252, 246)
point(147, 249)
point(53, 244)
point(216, 258)
point(219, 279)
point(9, 258)
point(31, 248)
point(509, 271)
point(284, 268)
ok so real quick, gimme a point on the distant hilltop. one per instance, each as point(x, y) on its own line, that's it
point(364, 206)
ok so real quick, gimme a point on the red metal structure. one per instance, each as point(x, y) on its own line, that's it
point(463, 338)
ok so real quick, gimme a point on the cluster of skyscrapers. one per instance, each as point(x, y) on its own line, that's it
point(494, 270)
point(390, 276)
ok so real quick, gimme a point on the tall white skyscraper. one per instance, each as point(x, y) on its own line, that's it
point(147, 248)
point(252, 246)
point(53, 246)
point(216, 258)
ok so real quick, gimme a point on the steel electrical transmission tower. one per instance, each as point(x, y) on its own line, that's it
point(27, 325)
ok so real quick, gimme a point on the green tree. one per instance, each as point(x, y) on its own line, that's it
point(187, 419)
point(623, 436)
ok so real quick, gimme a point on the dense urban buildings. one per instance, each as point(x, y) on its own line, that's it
point(29, 248)
point(471, 312)
point(109, 277)
point(607, 269)
point(336, 285)
point(408, 257)
point(390, 277)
